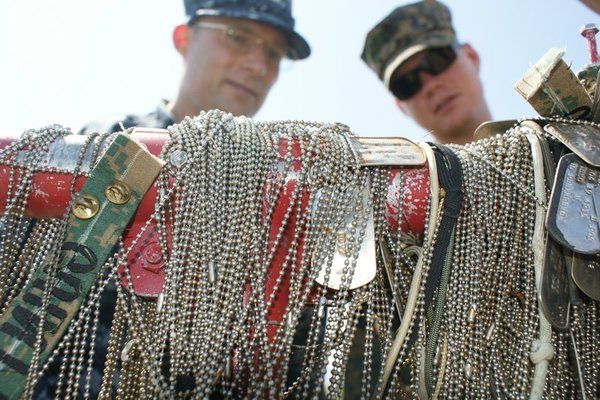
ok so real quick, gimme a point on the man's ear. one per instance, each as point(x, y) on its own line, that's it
point(181, 35)
point(401, 106)
point(471, 54)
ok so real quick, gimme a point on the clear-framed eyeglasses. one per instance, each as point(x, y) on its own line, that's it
point(244, 41)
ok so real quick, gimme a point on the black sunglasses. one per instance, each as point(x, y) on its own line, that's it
point(435, 61)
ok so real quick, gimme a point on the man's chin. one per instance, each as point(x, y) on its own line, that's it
point(245, 111)
point(237, 108)
point(449, 126)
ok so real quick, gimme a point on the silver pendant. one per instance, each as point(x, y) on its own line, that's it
point(586, 274)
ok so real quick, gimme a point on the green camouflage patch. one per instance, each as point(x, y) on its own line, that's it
point(552, 89)
point(88, 244)
point(588, 76)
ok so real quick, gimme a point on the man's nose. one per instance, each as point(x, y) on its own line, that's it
point(428, 82)
point(256, 61)
point(426, 78)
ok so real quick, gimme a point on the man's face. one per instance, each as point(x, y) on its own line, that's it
point(222, 72)
point(448, 103)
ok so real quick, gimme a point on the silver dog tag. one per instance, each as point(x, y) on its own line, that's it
point(586, 274)
point(347, 238)
point(387, 151)
point(583, 140)
point(554, 288)
point(573, 218)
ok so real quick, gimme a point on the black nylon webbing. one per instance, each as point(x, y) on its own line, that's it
point(451, 178)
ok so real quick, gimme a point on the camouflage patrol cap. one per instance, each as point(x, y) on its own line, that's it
point(277, 13)
point(404, 32)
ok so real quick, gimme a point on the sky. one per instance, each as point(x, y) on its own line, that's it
point(74, 61)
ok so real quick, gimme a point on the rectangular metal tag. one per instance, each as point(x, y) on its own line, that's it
point(373, 151)
point(554, 287)
point(347, 239)
point(573, 216)
point(583, 140)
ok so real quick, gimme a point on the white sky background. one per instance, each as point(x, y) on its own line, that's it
point(72, 61)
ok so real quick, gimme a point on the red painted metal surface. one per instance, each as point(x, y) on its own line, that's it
point(49, 197)
point(589, 32)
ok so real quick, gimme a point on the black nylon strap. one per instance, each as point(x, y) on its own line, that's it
point(451, 177)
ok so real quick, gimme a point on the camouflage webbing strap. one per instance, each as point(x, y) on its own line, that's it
point(105, 205)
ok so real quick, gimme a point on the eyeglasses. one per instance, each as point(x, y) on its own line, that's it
point(434, 62)
point(245, 42)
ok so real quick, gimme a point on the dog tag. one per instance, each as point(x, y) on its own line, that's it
point(586, 274)
point(572, 217)
point(576, 296)
point(583, 140)
point(387, 151)
point(347, 237)
point(554, 288)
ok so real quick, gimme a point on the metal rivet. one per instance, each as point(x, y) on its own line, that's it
point(85, 207)
point(178, 158)
point(118, 193)
point(152, 253)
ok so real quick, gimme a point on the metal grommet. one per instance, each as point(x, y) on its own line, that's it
point(85, 207)
point(118, 193)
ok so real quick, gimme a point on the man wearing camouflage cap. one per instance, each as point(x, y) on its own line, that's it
point(231, 51)
point(435, 80)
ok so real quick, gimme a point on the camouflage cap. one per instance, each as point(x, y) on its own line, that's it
point(403, 33)
point(277, 13)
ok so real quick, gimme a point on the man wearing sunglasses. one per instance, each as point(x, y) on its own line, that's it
point(434, 79)
point(231, 52)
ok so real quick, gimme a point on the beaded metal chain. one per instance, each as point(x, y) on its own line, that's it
point(211, 332)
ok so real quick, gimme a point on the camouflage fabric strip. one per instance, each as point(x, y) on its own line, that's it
point(87, 245)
